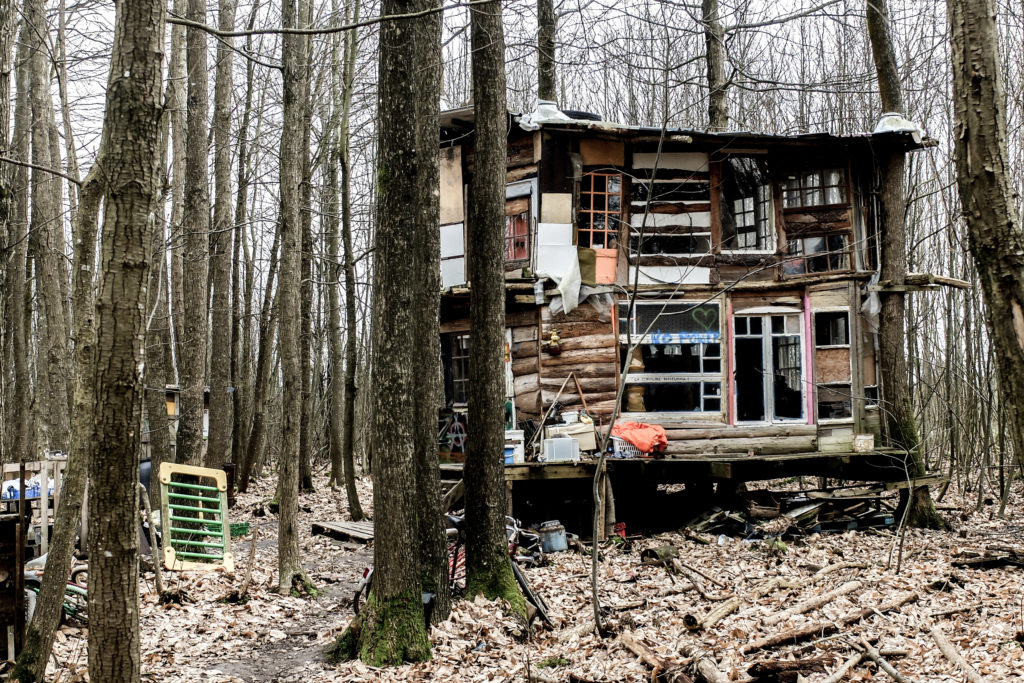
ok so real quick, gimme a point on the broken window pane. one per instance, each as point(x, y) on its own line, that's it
point(746, 204)
point(834, 402)
point(814, 188)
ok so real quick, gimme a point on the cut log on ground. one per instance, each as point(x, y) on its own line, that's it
point(813, 603)
point(825, 628)
point(787, 670)
point(705, 665)
point(951, 653)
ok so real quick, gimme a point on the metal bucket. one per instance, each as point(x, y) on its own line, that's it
point(552, 537)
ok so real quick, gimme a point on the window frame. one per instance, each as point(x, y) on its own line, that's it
point(821, 187)
point(718, 195)
point(703, 378)
point(766, 335)
point(612, 235)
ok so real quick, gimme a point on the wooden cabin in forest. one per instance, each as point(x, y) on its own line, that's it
point(734, 271)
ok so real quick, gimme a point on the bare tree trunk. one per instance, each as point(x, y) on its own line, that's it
point(254, 447)
point(31, 664)
point(429, 394)
point(306, 288)
point(393, 631)
point(332, 282)
point(488, 568)
point(131, 126)
point(10, 232)
point(221, 399)
point(986, 195)
point(289, 560)
point(242, 324)
point(351, 338)
point(196, 226)
point(47, 227)
point(547, 30)
point(714, 37)
point(898, 401)
point(18, 306)
point(176, 73)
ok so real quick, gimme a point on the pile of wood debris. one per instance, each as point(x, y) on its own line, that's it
point(820, 607)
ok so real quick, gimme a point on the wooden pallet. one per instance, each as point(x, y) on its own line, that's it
point(345, 531)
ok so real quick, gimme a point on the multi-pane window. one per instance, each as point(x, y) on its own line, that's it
point(458, 368)
point(817, 254)
point(816, 187)
point(746, 205)
point(677, 365)
point(600, 210)
point(768, 375)
point(517, 231)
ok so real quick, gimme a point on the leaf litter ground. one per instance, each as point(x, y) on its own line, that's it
point(282, 638)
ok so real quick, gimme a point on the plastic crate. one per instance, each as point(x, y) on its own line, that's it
point(624, 449)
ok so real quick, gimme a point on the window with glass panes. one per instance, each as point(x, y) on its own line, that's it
point(600, 210)
point(746, 201)
point(816, 187)
point(677, 365)
point(517, 230)
point(458, 368)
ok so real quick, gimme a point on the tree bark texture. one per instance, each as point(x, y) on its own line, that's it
point(896, 391)
point(196, 228)
point(547, 30)
point(393, 629)
point(47, 227)
point(993, 230)
point(8, 239)
point(351, 338)
point(714, 41)
point(429, 394)
point(39, 635)
point(289, 560)
point(15, 307)
point(177, 95)
point(255, 445)
point(306, 222)
point(488, 567)
point(218, 449)
point(131, 124)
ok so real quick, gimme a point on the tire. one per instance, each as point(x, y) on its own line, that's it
point(531, 596)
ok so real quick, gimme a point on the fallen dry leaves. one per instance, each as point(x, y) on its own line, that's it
point(282, 638)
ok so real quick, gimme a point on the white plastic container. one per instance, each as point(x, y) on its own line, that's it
point(561, 450)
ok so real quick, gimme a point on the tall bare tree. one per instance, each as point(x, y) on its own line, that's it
point(488, 567)
point(547, 31)
point(196, 228)
point(221, 398)
point(289, 560)
point(393, 630)
point(714, 37)
point(898, 400)
point(983, 180)
point(131, 126)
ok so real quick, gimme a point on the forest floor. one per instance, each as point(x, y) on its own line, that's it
point(282, 638)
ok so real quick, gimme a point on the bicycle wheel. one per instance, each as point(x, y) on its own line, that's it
point(531, 596)
point(76, 602)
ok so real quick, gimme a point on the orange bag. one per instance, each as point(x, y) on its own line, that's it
point(648, 438)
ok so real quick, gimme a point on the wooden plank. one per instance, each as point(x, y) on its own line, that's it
point(345, 531)
point(773, 444)
point(724, 432)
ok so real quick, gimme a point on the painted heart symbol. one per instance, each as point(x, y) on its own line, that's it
point(706, 318)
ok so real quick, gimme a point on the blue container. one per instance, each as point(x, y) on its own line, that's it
point(510, 454)
point(552, 537)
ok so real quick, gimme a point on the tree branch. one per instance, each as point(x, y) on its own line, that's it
point(181, 21)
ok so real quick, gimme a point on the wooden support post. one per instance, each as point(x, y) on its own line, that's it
point(508, 499)
point(609, 506)
point(44, 506)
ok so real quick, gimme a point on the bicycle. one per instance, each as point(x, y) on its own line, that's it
point(519, 551)
point(76, 591)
